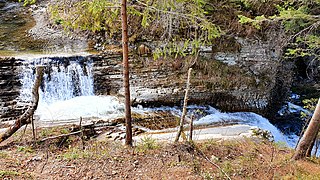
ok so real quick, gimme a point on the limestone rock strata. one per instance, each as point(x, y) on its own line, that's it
point(253, 79)
point(10, 89)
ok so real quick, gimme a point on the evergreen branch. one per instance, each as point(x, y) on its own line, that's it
point(307, 29)
point(187, 16)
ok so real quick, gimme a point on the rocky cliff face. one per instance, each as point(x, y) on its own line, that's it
point(252, 79)
point(9, 89)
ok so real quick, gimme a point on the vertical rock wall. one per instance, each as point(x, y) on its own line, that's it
point(9, 89)
point(251, 79)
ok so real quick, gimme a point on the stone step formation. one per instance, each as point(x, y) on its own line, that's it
point(251, 83)
point(10, 86)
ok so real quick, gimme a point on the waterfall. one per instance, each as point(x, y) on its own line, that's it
point(64, 78)
point(66, 92)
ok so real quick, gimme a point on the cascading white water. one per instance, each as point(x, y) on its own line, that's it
point(211, 116)
point(67, 90)
point(67, 94)
point(63, 79)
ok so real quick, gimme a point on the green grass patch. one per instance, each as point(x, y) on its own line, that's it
point(147, 143)
point(25, 149)
point(8, 174)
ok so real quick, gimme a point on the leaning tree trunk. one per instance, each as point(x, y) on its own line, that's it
point(126, 72)
point(25, 117)
point(311, 132)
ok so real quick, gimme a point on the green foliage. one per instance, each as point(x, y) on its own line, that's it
point(294, 14)
point(280, 145)
point(147, 143)
point(256, 22)
point(64, 131)
point(294, 18)
point(173, 21)
point(93, 15)
point(263, 134)
point(8, 173)
point(25, 149)
point(3, 154)
point(301, 20)
point(207, 175)
point(28, 2)
point(310, 104)
point(46, 132)
point(76, 153)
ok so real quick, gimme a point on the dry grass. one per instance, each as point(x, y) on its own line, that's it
point(245, 159)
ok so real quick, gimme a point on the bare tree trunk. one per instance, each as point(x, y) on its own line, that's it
point(191, 128)
point(311, 132)
point(309, 151)
point(316, 148)
point(25, 117)
point(126, 72)
point(33, 129)
point(184, 111)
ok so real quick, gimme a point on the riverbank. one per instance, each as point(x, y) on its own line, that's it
point(71, 159)
point(30, 30)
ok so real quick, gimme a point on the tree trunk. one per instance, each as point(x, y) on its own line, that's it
point(309, 151)
point(191, 128)
point(25, 117)
point(184, 111)
point(311, 132)
point(126, 72)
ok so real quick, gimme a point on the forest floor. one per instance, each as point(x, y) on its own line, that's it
point(74, 158)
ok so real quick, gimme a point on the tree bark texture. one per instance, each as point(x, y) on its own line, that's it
point(184, 111)
point(126, 72)
point(311, 132)
point(25, 117)
point(191, 128)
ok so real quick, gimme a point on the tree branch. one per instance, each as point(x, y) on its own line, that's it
point(24, 118)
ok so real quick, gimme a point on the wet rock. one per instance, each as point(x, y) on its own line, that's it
point(10, 89)
point(256, 80)
point(2, 3)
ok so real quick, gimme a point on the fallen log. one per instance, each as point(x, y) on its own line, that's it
point(60, 136)
point(25, 117)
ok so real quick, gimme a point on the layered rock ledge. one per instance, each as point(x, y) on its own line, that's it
point(251, 79)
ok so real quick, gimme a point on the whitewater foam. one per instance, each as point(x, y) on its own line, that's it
point(108, 107)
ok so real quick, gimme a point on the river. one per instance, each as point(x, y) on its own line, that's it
point(67, 94)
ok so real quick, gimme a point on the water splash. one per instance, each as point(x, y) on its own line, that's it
point(64, 78)
point(67, 93)
point(93, 107)
point(211, 116)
